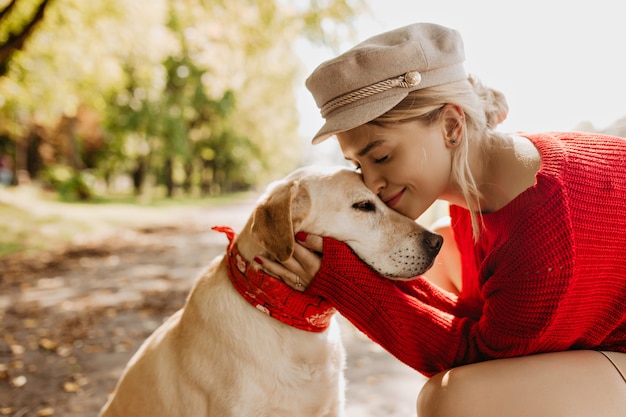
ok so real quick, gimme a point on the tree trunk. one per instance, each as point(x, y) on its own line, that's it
point(15, 41)
point(169, 177)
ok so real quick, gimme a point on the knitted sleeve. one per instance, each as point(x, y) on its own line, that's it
point(413, 321)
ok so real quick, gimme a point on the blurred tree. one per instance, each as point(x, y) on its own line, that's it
point(16, 27)
point(191, 93)
point(73, 62)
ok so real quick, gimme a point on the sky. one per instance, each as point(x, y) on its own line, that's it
point(559, 63)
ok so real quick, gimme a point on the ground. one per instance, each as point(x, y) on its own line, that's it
point(72, 316)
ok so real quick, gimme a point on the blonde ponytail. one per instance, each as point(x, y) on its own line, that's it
point(493, 102)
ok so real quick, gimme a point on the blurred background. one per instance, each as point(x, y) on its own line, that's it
point(128, 128)
point(205, 97)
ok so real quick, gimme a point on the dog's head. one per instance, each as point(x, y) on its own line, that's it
point(335, 202)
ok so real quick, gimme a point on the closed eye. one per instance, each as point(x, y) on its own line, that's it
point(366, 205)
point(381, 160)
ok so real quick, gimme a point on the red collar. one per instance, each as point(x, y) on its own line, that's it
point(272, 296)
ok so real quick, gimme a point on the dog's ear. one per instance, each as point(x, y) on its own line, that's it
point(273, 219)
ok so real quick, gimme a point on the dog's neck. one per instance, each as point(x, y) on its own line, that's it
point(272, 296)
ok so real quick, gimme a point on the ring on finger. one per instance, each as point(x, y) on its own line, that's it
point(298, 283)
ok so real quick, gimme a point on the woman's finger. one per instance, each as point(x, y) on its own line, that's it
point(314, 243)
point(289, 272)
point(309, 262)
point(301, 267)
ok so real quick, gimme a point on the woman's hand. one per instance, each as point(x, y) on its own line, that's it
point(299, 270)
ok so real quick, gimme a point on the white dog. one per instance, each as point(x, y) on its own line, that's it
point(220, 356)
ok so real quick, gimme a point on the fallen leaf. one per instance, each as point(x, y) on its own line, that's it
point(81, 380)
point(70, 387)
point(48, 344)
point(17, 349)
point(46, 412)
point(30, 323)
point(64, 351)
point(19, 381)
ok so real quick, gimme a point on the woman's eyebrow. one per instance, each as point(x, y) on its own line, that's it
point(370, 146)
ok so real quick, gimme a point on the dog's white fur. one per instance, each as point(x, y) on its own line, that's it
point(218, 356)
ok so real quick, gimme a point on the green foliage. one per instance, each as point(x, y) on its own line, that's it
point(195, 93)
point(71, 184)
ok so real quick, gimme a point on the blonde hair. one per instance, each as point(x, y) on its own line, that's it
point(484, 109)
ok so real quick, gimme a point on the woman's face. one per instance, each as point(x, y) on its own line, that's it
point(407, 165)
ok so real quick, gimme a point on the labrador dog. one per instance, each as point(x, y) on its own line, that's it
point(247, 345)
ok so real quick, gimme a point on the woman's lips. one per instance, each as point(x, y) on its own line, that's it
point(394, 199)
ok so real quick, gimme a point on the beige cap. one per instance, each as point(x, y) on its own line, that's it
point(370, 79)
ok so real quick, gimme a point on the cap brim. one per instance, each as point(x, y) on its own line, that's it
point(360, 112)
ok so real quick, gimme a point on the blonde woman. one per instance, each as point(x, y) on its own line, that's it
point(525, 312)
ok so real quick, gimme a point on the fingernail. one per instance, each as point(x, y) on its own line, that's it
point(258, 260)
point(301, 236)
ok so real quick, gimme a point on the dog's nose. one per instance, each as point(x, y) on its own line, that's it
point(432, 242)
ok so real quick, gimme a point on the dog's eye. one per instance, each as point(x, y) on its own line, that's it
point(366, 205)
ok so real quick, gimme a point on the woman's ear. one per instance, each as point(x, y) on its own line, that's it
point(453, 118)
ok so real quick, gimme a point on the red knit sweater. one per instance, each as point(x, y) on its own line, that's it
point(547, 274)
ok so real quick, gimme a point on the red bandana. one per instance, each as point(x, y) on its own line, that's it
point(274, 297)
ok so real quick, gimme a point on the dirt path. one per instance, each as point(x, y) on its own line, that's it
point(71, 319)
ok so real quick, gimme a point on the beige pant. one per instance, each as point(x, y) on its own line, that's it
point(562, 384)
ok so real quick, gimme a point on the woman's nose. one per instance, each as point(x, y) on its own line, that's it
point(374, 182)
